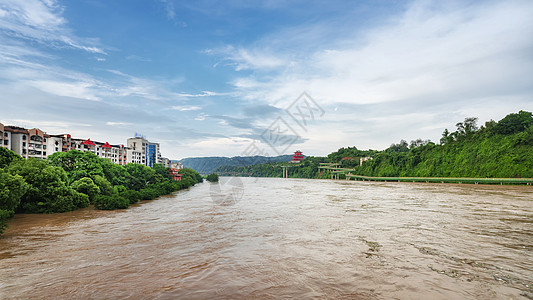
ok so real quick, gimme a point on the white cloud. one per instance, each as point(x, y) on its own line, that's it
point(254, 58)
point(80, 90)
point(186, 108)
point(120, 124)
point(200, 117)
point(426, 53)
point(202, 94)
point(229, 146)
point(41, 21)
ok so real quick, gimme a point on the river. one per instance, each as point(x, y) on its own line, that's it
point(271, 238)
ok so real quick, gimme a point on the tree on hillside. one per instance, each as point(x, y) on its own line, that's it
point(400, 147)
point(467, 127)
point(513, 123)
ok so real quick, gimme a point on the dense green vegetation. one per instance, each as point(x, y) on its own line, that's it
point(212, 177)
point(206, 165)
point(72, 180)
point(308, 168)
point(501, 149)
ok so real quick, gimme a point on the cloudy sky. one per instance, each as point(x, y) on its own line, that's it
point(218, 78)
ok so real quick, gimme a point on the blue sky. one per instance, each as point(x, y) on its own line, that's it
point(210, 78)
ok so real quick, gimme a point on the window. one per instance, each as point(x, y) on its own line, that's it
point(24, 137)
point(44, 147)
point(5, 134)
point(23, 144)
point(5, 142)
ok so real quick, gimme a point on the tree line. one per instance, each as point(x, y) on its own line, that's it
point(500, 149)
point(70, 180)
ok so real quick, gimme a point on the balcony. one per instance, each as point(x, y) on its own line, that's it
point(36, 138)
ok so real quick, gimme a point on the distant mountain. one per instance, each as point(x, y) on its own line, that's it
point(206, 165)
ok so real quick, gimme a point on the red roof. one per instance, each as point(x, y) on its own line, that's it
point(106, 145)
point(88, 142)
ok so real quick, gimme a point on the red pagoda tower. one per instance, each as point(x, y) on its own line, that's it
point(297, 157)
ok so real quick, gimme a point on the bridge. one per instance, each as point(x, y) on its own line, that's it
point(336, 170)
point(285, 169)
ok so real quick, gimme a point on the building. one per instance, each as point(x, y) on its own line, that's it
point(297, 157)
point(138, 147)
point(363, 159)
point(24, 142)
point(36, 143)
point(176, 165)
point(167, 163)
point(5, 137)
point(141, 151)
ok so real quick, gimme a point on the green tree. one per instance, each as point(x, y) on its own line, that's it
point(213, 177)
point(110, 202)
point(514, 123)
point(86, 186)
point(7, 157)
point(103, 185)
point(48, 190)
point(12, 188)
point(78, 164)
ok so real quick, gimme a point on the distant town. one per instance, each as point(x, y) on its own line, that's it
point(38, 144)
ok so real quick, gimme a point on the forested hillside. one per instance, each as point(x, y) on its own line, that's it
point(501, 149)
point(206, 165)
point(308, 168)
point(498, 149)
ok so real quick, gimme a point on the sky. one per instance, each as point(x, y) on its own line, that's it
point(241, 77)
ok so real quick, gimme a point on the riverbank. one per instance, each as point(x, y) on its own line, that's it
point(501, 181)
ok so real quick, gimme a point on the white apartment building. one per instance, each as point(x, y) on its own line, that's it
point(36, 143)
point(141, 151)
point(138, 148)
point(24, 142)
point(166, 162)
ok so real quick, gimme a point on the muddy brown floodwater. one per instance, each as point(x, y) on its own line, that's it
point(285, 238)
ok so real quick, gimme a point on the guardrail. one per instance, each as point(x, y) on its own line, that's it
point(526, 181)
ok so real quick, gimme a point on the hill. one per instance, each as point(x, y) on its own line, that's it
point(206, 165)
point(501, 149)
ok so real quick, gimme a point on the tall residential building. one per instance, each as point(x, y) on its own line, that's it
point(138, 150)
point(141, 151)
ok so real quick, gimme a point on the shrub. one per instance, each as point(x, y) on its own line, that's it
point(107, 202)
point(131, 195)
point(86, 186)
point(212, 177)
